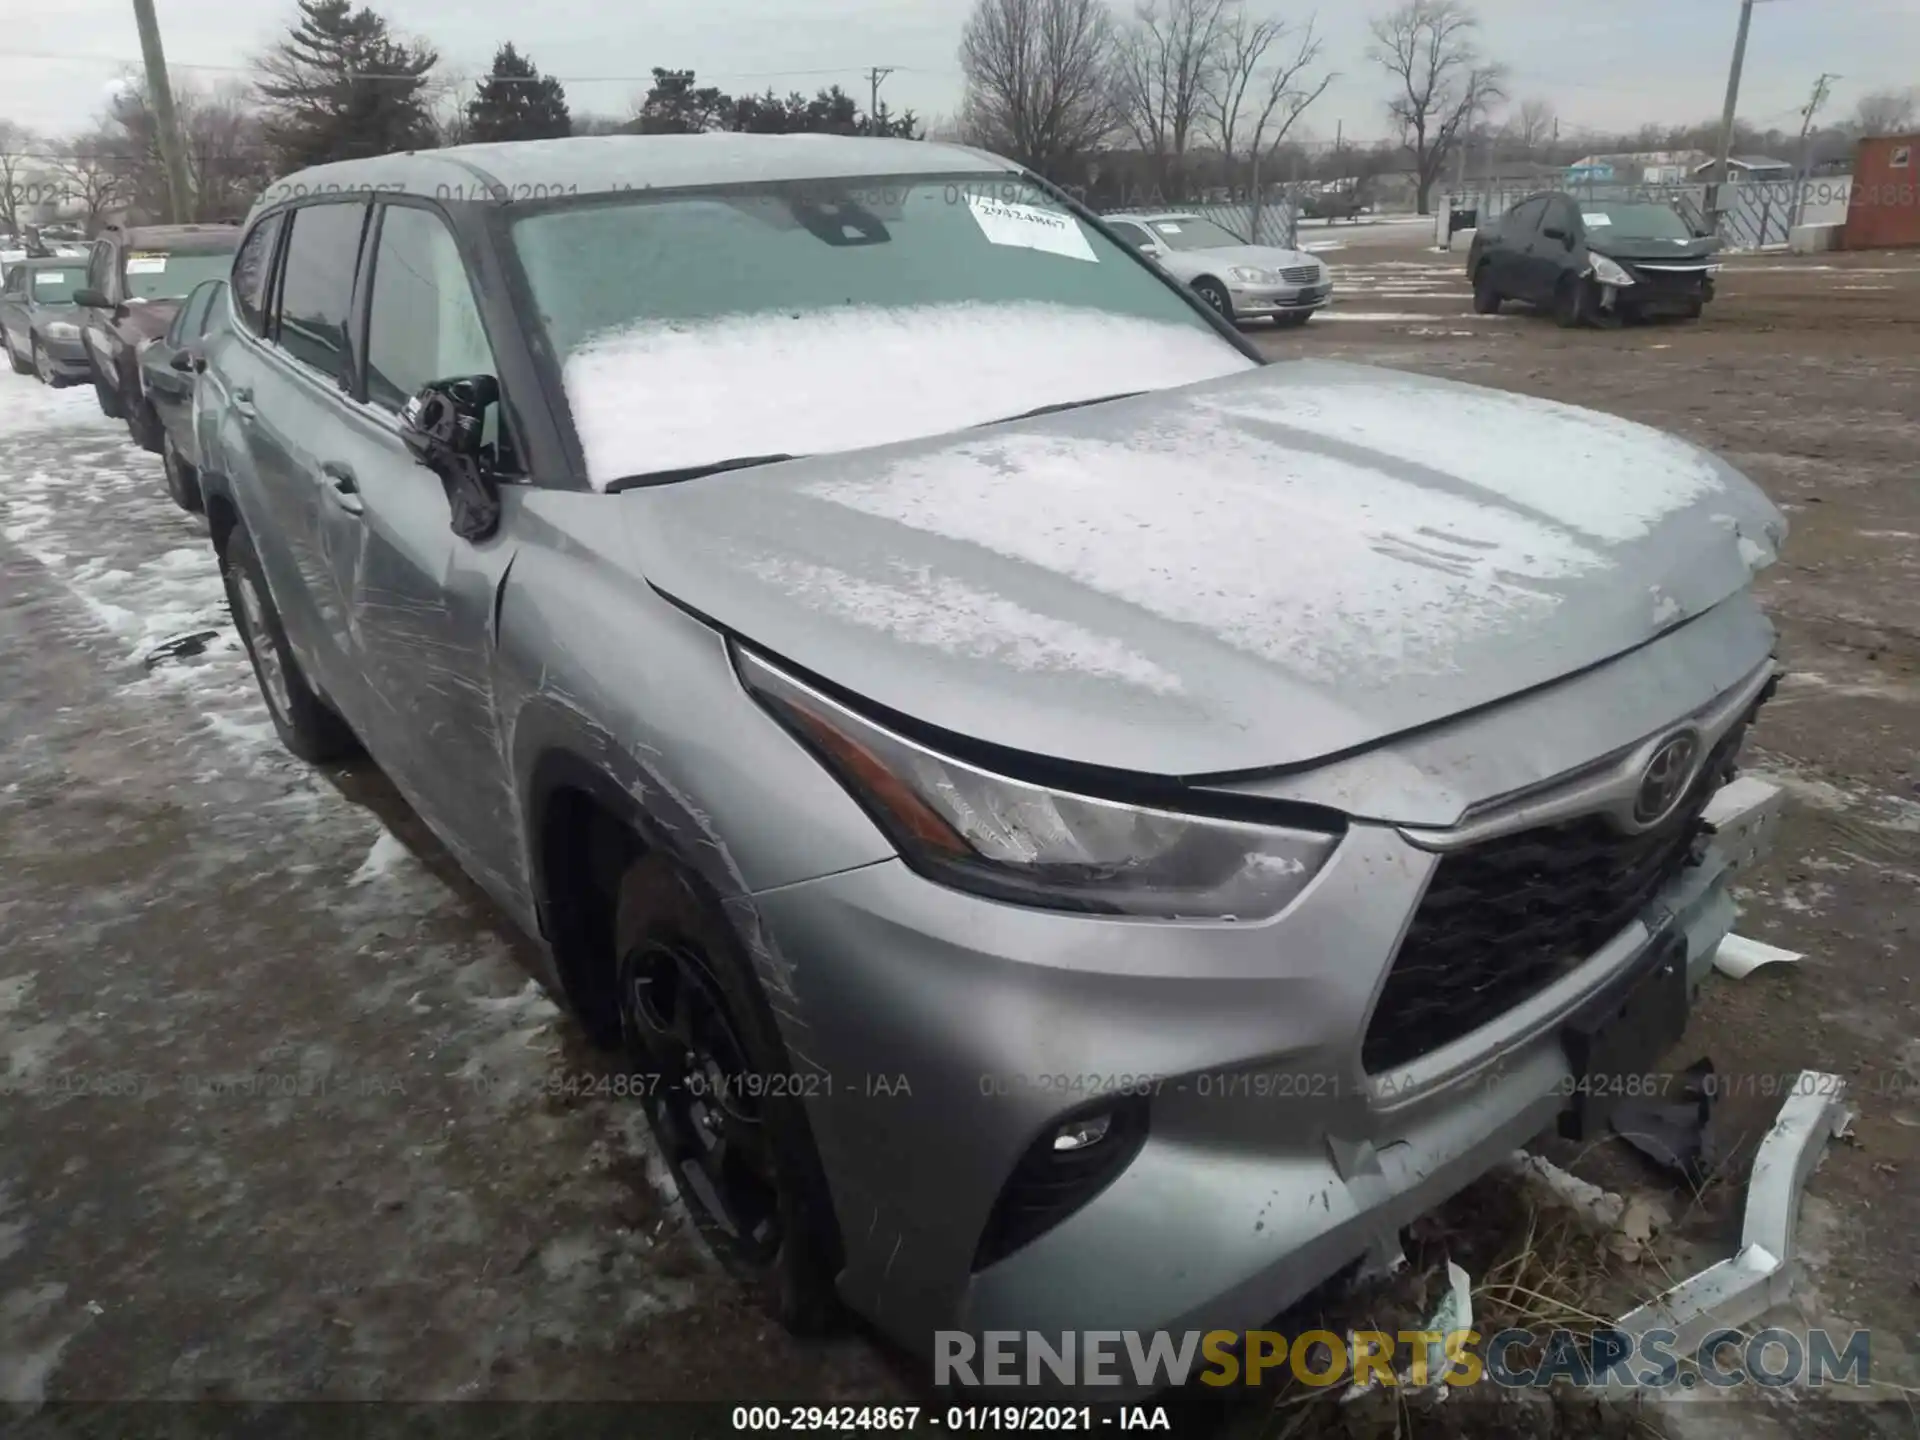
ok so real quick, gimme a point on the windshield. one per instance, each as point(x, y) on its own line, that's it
point(56, 287)
point(153, 276)
point(1190, 232)
point(833, 315)
point(1634, 222)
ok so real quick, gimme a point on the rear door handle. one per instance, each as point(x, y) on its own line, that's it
point(343, 487)
point(243, 402)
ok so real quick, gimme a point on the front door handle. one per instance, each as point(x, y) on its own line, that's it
point(343, 487)
point(243, 402)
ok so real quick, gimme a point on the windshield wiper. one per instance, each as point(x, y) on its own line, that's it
point(1055, 409)
point(694, 472)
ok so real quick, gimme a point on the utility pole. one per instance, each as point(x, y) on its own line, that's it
point(874, 77)
point(160, 95)
point(1722, 172)
point(1820, 92)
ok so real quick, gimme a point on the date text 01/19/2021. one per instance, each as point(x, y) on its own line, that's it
point(954, 1420)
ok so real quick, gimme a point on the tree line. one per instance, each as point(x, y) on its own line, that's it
point(342, 85)
point(1180, 97)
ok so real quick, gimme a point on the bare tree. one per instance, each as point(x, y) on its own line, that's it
point(1885, 112)
point(1440, 81)
point(225, 149)
point(19, 186)
point(1261, 87)
point(1530, 128)
point(1169, 63)
point(1038, 80)
point(98, 173)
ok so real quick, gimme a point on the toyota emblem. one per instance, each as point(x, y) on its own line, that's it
point(1665, 779)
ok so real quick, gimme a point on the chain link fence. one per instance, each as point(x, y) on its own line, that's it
point(1754, 214)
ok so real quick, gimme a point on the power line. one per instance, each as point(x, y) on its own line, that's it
point(70, 56)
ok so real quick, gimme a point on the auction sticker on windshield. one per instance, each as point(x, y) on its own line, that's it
point(146, 264)
point(1004, 222)
point(1597, 219)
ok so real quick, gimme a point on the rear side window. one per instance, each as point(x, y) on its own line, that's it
point(250, 269)
point(316, 286)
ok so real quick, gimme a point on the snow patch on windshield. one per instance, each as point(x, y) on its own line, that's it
point(1342, 571)
point(922, 609)
point(1605, 477)
point(664, 395)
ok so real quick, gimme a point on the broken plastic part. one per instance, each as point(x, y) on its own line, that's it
point(1738, 1290)
point(1738, 956)
point(1675, 1134)
point(442, 425)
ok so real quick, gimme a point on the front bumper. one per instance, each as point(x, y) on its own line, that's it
point(68, 357)
point(1660, 293)
point(1254, 301)
point(957, 1032)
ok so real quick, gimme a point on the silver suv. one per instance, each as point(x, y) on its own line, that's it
point(1072, 826)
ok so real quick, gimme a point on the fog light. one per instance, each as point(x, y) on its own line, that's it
point(1079, 1134)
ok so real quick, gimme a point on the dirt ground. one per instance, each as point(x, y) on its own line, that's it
point(280, 1120)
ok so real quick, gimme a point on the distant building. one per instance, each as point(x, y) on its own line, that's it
point(1639, 167)
point(1749, 167)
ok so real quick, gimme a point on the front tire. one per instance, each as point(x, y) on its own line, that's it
point(1486, 299)
point(1293, 321)
point(183, 481)
point(20, 366)
point(695, 1023)
point(43, 366)
point(1215, 294)
point(305, 725)
point(145, 426)
point(1573, 302)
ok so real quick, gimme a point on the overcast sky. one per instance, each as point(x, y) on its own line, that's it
point(1604, 63)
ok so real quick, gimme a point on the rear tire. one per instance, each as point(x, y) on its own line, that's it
point(306, 726)
point(1215, 294)
point(108, 397)
point(692, 1017)
point(1486, 299)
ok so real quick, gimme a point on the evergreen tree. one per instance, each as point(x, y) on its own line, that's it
point(517, 102)
point(674, 107)
point(340, 87)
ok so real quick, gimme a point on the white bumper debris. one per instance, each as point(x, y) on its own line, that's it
point(1757, 1278)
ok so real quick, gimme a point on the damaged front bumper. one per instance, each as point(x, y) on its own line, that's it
point(1267, 1159)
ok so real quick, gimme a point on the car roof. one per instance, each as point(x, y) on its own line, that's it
point(161, 236)
point(595, 164)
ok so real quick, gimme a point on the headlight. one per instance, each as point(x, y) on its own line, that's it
point(62, 330)
point(1608, 273)
point(1011, 840)
point(1249, 275)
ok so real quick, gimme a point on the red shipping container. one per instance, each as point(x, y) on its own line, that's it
point(1884, 209)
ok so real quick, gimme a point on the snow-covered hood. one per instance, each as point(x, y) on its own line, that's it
point(1253, 571)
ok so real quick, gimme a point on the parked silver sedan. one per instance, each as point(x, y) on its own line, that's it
point(39, 323)
point(1240, 281)
point(1070, 826)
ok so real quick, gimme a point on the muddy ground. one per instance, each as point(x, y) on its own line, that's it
point(283, 1118)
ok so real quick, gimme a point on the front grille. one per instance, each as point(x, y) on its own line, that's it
point(1503, 920)
point(1300, 274)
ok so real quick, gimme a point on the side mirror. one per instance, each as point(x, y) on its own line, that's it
point(187, 362)
point(1553, 232)
point(91, 300)
point(442, 426)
